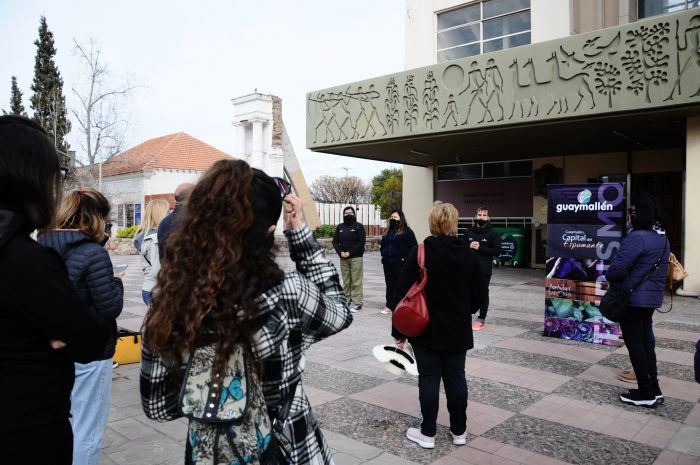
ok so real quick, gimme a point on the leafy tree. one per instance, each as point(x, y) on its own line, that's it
point(344, 189)
point(387, 190)
point(16, 107)
point(48, 101)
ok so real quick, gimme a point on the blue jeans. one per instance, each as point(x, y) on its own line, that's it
point(146, 296)
point(90, 400)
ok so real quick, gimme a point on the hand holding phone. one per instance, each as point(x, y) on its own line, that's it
point(119, 268)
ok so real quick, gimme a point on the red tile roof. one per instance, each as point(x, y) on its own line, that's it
point(177, 151)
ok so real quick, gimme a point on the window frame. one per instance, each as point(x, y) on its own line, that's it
point(480, 22)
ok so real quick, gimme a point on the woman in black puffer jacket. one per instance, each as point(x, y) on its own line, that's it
point(397, 242)
point(82, 221)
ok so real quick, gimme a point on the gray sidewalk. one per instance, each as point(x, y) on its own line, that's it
point(532, 400)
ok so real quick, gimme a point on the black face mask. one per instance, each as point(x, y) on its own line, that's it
point(481, 223)
point(394, 223)
point(349, 219)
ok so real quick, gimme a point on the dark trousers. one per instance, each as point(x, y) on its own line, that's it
point(485, 304)
point(391, 277)
point(639, 339)
point(41, 445)
point(448, 366)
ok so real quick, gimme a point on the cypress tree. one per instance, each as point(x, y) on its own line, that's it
point(16, 107)
point(48, 101)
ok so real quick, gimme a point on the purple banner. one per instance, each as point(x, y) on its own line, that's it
point(584, 230)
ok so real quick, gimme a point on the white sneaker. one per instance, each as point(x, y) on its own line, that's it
point(426, 442)
point(459, 440)
point(386, 311)
point(355, 308)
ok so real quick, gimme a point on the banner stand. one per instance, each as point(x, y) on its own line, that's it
point(584, 231)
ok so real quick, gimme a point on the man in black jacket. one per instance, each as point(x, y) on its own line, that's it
point(486, 242)
point(170, 222)
point(349, 244)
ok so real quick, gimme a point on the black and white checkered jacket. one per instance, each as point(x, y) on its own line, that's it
point(309, 305)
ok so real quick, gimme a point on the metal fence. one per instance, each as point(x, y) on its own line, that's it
point(367, 214)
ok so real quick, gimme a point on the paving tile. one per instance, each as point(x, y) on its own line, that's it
point(337, 381)
point(693, 418)
point(525, 357)
point(637, 427)
point(579, 354)
point(667, 369)
point(605, 394)
point(536, 335)
point(570, 444)
point(511, 374)
point(684, 390)
point(382, 428)
point(686, 440)
point(667, 355)
point(318, 396)
point(669, 457)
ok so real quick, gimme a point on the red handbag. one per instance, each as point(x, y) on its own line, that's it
point(411, 314)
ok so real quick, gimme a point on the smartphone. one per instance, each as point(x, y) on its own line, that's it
point(119, 268)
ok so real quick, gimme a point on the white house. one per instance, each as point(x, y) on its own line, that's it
point(152, 170)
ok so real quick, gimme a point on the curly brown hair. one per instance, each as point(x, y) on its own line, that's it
point(220, 257)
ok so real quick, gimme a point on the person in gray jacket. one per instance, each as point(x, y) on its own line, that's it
point(149, 251)
point(81, 223)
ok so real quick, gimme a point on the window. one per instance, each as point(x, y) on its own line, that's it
point(483, 27)
point(649, 8)
point(501, 169)
point(128, 214)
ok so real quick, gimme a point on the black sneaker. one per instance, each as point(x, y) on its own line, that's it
point(635, 397)
point(657, 393)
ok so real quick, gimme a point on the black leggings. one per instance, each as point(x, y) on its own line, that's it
point(639, 339)
point(448, 366)
point(391, 277)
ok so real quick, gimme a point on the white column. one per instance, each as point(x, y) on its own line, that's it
point(417, 198)
point(240, 141)
point(691, 213)
point(256, 153)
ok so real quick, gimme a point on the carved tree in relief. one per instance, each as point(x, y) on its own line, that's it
point(647, 60)
point(392, 105)
point(410, 101)
point(430, 102)
point(607, 79)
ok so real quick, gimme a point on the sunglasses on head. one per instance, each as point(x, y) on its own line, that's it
point(283, 185)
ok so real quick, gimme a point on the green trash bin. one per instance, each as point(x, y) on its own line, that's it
point(515, 246)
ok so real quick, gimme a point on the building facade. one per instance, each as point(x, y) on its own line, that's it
point(502, 97)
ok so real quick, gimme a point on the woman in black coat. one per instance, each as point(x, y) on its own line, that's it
point(397, 242)
point(454, 291)
point(46, 326)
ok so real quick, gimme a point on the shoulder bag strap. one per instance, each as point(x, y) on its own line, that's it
point(421, 266)
point(654, 267)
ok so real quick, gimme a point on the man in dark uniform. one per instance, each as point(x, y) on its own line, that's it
point(486, 242)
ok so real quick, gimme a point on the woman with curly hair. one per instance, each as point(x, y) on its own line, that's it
point(219, 280)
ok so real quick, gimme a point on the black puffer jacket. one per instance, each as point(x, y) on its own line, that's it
point(90, 270)
point(38, 304)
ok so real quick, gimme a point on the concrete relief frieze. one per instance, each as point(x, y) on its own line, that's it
point(648, 64)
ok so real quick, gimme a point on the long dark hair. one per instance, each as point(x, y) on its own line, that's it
point(401, 228)
point(217, 261)
point(30, 178)
point(648, 212)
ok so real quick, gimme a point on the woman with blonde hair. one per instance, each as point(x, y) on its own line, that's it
point(81, 223)
point(156, 210)
point(454, 291)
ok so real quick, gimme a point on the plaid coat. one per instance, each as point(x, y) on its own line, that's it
point(309, 305)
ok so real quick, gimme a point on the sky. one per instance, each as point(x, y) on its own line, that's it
point(191, 58)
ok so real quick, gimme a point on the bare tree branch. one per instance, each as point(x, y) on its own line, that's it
point(99, 108)
point(346, 189)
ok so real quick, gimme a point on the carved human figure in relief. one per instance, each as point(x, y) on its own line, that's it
point(475, 84)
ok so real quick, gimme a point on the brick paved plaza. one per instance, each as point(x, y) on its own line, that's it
point(532, 400)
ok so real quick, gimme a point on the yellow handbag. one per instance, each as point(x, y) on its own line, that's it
point(128, 347)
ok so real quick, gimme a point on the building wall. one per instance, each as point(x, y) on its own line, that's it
point(164, 181)
point(691, 214)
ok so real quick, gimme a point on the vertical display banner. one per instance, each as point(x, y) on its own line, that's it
point(584, 231)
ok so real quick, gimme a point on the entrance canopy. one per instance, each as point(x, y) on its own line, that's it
point(625, 88)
